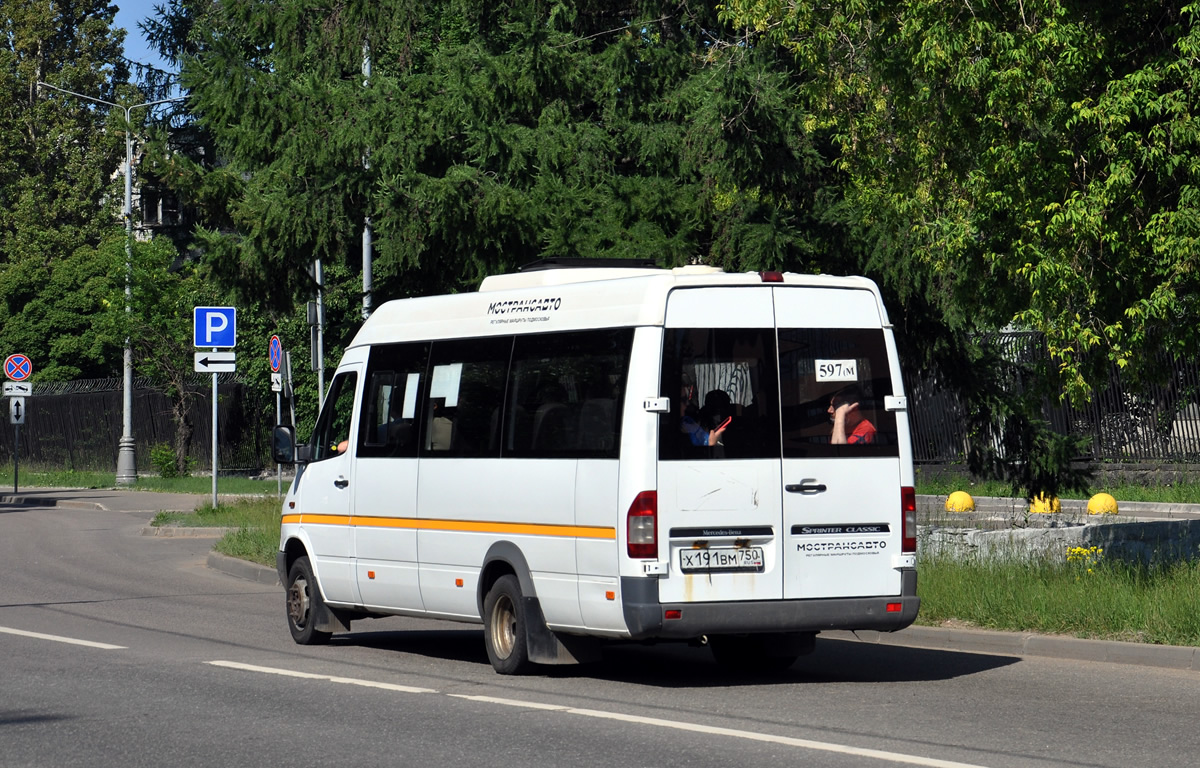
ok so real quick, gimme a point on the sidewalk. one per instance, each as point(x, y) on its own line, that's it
point(931, 638)
point(105, 499)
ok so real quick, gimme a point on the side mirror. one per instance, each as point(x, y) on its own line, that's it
point(283, 444)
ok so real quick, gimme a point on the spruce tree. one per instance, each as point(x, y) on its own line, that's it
point(487, 136)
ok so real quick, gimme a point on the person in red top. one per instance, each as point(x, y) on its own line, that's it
point(850, 427)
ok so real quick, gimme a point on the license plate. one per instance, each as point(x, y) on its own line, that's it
point(721, 559)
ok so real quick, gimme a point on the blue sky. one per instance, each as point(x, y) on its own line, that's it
point(129, 13)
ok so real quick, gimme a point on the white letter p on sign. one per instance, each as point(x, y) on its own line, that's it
point(215, 323)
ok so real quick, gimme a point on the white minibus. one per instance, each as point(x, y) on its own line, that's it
point(586, 452)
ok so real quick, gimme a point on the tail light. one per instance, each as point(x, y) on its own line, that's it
point(642, 525)
point(908, 508)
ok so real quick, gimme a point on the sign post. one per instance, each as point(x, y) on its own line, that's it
point(289, 387)
point(214, 327)
point(17, 368)
point(275, 358)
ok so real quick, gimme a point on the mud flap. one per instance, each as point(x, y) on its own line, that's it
point(328, 619)
point(548, 647)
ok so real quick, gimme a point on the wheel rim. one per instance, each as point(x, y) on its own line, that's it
point(504, 627)
point(298, 603)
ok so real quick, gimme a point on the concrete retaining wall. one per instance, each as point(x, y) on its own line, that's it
point(1141, 542)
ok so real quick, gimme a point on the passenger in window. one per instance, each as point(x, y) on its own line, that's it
point(707, 426)
point(718, 407)
point(850, 427)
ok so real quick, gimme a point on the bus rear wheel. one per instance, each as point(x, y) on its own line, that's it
point(504, 627)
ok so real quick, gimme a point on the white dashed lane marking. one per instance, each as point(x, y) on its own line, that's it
point(61, 639)
point(679, 725)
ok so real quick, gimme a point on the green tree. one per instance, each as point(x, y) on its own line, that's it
point(165, 290)
point(57, 157)
point(492, 136)
point(1029, 164)
point(487, 136)
point(1041, 155)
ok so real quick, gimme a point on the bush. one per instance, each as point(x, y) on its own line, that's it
point(163, 459)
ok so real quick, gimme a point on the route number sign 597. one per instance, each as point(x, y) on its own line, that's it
point(837, 370)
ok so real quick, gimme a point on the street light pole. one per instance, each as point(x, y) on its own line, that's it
point(126, 458)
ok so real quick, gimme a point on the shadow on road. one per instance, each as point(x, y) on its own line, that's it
point(450, 644)
point(674, 665)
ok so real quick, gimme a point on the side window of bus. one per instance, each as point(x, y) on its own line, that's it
point(464, 397)
point(722, 386)
point(390, 422)
point(834, 381)
point(564, 394)
point(332, 435)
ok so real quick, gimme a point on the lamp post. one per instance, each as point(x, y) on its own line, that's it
point(126, 460)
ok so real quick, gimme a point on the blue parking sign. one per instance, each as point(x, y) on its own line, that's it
point(214, 327)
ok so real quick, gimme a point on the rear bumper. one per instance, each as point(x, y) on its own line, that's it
point(645, 615)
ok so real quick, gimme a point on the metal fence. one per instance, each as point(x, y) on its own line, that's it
point(77, 425)
point(1148, 424)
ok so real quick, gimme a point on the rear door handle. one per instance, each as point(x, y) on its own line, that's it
point(341, 482)
point(808, 486)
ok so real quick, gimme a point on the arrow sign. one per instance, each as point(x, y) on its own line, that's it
point(16, 410)
point(215, 362)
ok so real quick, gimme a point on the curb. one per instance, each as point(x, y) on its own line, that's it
point(180, 532)
point(1011, 507)
point(243, 569)
point(1025, 644)
point(53, 502)
point(114, 504)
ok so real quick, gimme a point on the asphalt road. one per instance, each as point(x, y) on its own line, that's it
point(118, 649)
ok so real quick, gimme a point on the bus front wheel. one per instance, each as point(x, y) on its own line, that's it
point(303, 600)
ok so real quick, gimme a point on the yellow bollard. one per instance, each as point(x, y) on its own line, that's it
point(960, 501)
point(1102, 504)
point(1045, 505)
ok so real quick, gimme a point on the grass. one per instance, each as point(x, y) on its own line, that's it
point(940, 483)
point(1083, 595)
point(254, 522)
point(232, 484)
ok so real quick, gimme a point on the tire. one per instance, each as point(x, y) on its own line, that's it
point(504, 627)
point(761, 653)
point(302, 603)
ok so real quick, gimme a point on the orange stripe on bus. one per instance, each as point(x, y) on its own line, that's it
point(322, 519)
point(470, 526)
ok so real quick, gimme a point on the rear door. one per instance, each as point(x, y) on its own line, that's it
point(719, 491)
point(841, 500)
